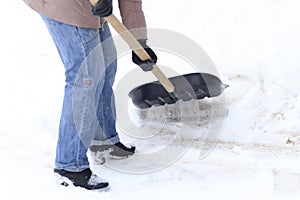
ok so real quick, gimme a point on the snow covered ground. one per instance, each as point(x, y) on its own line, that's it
point(255, 45)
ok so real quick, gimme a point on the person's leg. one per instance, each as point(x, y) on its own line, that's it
point(83, 60)
point(106, 112)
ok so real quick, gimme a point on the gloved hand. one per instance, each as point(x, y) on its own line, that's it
point(146, 65)
point(103, 8)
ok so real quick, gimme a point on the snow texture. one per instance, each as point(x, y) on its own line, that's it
point(255, 45)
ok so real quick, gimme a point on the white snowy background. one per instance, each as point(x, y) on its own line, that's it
point(255, 44)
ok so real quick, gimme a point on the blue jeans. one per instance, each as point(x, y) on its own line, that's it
point(88, 113)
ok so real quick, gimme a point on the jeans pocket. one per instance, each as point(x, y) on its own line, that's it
point(87, 34)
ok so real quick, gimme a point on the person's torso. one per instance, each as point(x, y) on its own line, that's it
point(73, 12)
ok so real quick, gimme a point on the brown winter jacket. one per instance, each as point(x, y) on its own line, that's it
point(78, 13)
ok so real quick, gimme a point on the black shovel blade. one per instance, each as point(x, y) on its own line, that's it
point(187, 87)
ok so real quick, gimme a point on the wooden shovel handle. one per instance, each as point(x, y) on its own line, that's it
point(137, 48)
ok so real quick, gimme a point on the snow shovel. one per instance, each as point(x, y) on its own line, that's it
point(165, 90)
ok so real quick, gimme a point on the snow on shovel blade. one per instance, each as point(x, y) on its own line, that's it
point(187, 87)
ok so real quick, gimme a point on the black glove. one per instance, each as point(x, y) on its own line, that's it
point(103, 8)
point(146, 65)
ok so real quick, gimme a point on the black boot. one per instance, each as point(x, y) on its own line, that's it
point(85, 179)
point(118, 150)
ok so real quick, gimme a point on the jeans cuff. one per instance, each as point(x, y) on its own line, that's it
point(73, 167)
point(112, 140)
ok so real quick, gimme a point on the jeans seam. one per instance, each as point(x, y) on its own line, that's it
point(86, 91)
